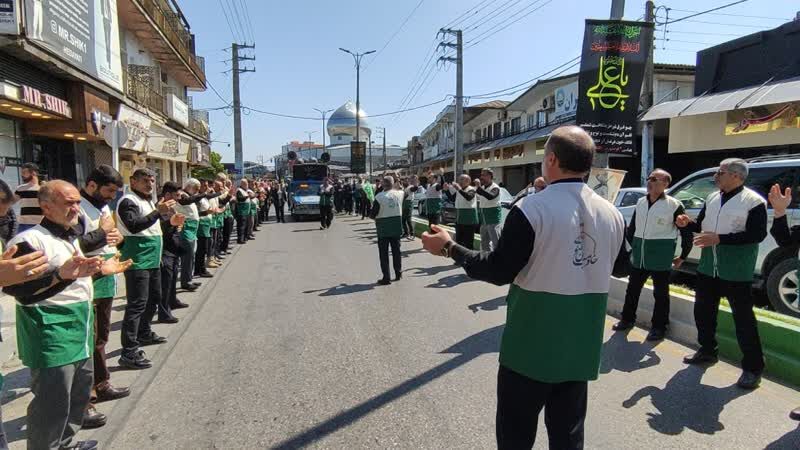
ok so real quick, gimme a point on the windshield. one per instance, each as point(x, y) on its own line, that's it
point(311, 172)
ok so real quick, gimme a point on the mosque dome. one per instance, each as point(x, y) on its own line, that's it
point(343, 122)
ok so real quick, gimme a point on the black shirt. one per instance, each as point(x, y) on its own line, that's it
point(129, 214)
point(686, 235)
point(755, 227)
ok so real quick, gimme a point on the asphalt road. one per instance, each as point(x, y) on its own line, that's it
point(295, 346)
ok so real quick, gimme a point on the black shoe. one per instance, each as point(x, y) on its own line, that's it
point(795, 414)
point(152, 339)
point(111, 393)
point(83, 445)
point(178, 305)
point(701, 358)
point(137, 361)
point(656, 334)
point(190, 287)
point(398, 277)
point(622, 325)
point(206, 275)
point(384, 282)
point(93, 419)
point(172, 319)
point(749, 380)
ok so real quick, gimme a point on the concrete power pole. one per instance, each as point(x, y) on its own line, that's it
point(237, 103)
point(458, 153)
point(647, 102)
point(617, 11)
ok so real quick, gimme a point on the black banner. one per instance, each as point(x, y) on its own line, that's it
point(358, 157)
point(610, 81)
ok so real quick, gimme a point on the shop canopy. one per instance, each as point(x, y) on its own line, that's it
point(783, 91)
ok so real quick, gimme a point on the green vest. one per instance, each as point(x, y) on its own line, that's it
point(389, 221)
point(144, 247)
point(190, 227)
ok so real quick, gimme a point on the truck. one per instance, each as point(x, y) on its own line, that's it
point(304, 189)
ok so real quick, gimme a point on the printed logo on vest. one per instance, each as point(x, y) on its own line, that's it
point(585, 252)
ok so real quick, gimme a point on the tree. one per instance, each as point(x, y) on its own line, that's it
point(211, 171)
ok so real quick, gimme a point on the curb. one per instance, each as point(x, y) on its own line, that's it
point(122, 410)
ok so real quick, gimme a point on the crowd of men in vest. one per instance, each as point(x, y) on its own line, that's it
point(558, 248)
point(61, 257)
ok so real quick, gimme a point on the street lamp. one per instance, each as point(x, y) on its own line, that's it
point(323, 124)
point(357, 58)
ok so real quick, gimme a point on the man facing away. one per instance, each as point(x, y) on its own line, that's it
point(489, 210)
point(139, 224)
point(54, 320)
point(433, 199)
point(29, 212)
point(557, 249)
point(388, 214)
point(653, 237)
point(325, 204)
point(463, 195)
point(731, 225)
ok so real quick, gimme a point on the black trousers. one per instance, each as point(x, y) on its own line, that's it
point(408, 226)
point(348, 204)
point(521, 399)
point(227, 229)
point(357, 203)
point(200, 255)
point(213, 243)
point(365, 208)
point(465, 235)
point(169, 283)
point(660, 293)
point(383, 252)
point(325, 216)
point(279, 212)
point(706, 305)
point(144, 295)
point(187, 261)
point(241, 229)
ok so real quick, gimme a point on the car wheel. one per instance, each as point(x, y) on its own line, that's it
point(782, 288)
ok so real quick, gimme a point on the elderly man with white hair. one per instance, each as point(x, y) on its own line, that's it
point(731, 225)
point(187, 205)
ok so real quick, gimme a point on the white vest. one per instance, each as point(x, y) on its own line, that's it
point(461, 202)
point(432, 193)
point(391, 203)
point(145, 208)
point(578, 235)
point(732, 216)
point(658, 220)
point(190, 211)
point(91, 222)
point(484, 202)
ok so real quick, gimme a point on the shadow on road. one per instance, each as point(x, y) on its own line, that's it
point(305, 230)
point(450, 281)
point(487, 341)
point(684, 403)
point(627, 356)
point(408, 253)
point(430, 271)
point(489, 305)
point(790, 440)
point(342, 289)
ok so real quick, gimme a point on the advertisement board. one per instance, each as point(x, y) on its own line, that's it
point(9, 17)
point(761, 119)
point(84, 33)
point(138, 128)
point(177, 110)
point(358, 157)
point(566, 100)
point(610, 81)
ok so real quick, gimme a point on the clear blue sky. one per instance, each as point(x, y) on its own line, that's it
point(299, 66)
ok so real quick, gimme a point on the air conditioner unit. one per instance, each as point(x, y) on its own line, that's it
point(549, 102)
point(502, 115)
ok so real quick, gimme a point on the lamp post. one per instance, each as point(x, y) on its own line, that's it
point(323, 124)
point(357, 58)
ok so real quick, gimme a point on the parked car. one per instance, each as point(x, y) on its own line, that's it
point(627, 199)
point(776, 268)
point(449, 209)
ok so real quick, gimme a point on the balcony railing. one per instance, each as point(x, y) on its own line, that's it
point(198, 127)
point(522, 129)
point(141, 87)
point(170, 24)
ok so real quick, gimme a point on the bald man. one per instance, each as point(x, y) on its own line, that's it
point(557, 250)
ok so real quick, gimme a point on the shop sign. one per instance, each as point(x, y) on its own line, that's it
point(138, 128)
point(84, 33)
point(177, 110)
point(46, 102)
point(761, 119)
point(9, 17)
point(566, 100)
point(610, 81)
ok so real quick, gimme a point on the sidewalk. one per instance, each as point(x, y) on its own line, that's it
point(16, 393)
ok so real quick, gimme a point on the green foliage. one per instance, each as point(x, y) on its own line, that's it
point(211, 171)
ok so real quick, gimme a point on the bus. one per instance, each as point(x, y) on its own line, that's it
point(304, 189)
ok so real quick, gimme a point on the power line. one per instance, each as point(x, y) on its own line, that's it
point(725, 24)
point(463, 15)
point(230, 28)
point(249, 20)
point(735, 15)
point(237, 16)
point(705, 12)
point(292, 116)
point(391, 38)
point(508, 24)
point(227, 102)
point(700, 33)
point(526, 83)
point(491, 15)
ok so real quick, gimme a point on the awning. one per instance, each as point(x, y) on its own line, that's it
point(776, 92)
point(520, 138)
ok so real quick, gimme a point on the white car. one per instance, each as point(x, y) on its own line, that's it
point(626, 201)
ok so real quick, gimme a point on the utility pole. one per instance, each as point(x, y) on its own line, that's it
point(324, 113)
point(357, 58)
point(237, 102)
point(458, 153)
point(647, 102)
point(617, 11)
point(383, 133)
point(370, 156)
